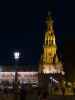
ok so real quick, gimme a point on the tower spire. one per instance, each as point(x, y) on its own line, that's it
point(49, 13)
point(50, 58)
point(49, 21)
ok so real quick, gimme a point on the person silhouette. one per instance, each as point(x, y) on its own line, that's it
point(23, 92)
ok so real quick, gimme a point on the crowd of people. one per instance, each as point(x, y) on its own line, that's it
point(28, 91)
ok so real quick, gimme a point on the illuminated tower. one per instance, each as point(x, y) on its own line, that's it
point(49, 62)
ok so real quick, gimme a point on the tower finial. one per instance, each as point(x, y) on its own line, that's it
point(49, 13)
point(49, 18)
point(49, 21)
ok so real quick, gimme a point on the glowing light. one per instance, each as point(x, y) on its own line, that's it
point(16, 55)
point(63, 73)
point(28, 77)
point(7, 76)
point(64, 82)
point(23, 77)
point(49, 69)
point(69, 83)
point(51, 78)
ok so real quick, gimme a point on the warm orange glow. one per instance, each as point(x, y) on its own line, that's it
point(49, 59)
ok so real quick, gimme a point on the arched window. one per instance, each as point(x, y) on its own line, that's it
point(46, 42)
point(49, 42)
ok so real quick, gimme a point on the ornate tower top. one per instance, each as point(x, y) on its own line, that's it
point(49, 34)
point(49, 21)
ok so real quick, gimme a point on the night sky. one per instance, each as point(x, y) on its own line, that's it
point(21, 28)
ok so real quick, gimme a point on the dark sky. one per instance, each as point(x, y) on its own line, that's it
point(21, 28)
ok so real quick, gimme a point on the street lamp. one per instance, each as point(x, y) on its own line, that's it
point(16, 57)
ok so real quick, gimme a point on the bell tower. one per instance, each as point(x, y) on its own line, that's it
point(49, 43)
point(49, 62)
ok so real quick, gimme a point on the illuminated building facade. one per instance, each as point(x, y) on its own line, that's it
point(50, 71)
point(49, 62)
